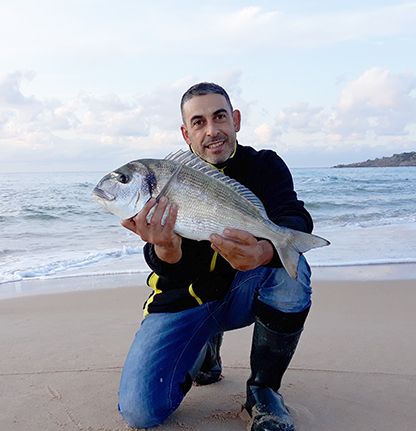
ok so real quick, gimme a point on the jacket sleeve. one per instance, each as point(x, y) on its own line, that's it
point(278, 195)
point(187, 269)
point(179, 271)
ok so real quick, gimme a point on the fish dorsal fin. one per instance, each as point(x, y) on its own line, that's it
point(193, 161)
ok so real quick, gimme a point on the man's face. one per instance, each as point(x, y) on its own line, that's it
point(210, 127)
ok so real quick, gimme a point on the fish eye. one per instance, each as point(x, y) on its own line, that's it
point(122, 178)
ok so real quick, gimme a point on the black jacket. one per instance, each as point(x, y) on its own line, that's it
point(202, 275)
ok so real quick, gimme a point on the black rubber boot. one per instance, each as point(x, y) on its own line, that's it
point(274, 343)
point(211, 368)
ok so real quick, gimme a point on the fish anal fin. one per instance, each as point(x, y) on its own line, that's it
point(289, 257)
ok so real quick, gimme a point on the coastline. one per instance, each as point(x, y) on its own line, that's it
point(365, 272)
point(354, 369)
point(88, 282)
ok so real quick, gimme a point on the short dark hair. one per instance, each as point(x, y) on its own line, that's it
point(202, 89)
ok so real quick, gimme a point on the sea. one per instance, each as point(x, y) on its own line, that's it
point(51, 228)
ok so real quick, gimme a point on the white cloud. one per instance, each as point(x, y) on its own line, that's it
point(378, 102)
point(375, 110)
point(10, 92)
point(376, 88)
point(248, 19)
point(85, 128)
point(66, 32)
point(302, 117)
point(265, 133)
point(257, 26)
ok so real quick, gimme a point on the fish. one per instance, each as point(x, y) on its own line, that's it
point(208, 202)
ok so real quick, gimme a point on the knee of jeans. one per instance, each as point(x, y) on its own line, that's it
point(286, 294)
point(140, 411)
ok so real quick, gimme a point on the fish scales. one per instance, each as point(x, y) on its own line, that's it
point(205, 205)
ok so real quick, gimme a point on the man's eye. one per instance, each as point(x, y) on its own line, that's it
point(197, 123)
point(221, 116)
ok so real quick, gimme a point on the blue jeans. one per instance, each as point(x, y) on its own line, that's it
point(162, 360)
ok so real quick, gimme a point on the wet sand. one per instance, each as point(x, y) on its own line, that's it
point(355, 368)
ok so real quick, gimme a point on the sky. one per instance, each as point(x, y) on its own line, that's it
point(90, 85)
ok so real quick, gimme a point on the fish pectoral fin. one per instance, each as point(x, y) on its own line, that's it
point(168, 186)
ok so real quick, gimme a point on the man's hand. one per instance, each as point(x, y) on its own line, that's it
point(167, 243)
point(241, 249)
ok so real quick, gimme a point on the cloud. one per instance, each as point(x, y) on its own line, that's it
point(107, 115)
point(10, 92)
point(67, 32)
point(102, 115)
point(84, 128)
point(90, 131)
point(257, 26)
point(248, 19)
point(265, 133)
point(302, 117)
point(378, 102)
point(375, 110)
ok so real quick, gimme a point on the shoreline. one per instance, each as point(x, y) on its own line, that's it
point(83, 282)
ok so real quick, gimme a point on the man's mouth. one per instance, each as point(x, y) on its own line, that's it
point(215, 145)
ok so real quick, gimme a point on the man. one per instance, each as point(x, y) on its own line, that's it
point(201, 289)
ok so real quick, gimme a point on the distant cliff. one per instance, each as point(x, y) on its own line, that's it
point(403, 159)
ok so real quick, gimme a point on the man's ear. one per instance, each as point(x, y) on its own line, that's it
point(237, 119)
point(185, 135)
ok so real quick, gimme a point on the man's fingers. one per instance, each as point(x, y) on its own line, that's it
point(225, 246)
point(233, 239)
point(153, 231)
point(171, 219)
point(240, 236)
point(140, 218)
point(129, 224)
point(159, 211)
point(217, 240)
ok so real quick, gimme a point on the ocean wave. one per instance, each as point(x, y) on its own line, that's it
point(60, 266)
point(10, 251)
point(97, 274)
point(326, 205)
point(114, 272)
point(364, 220)
point(369, 262)
point(40, 216)
point(85, 185)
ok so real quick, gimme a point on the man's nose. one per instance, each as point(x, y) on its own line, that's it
point(212, 129)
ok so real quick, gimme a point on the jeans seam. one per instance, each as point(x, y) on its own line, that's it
point(243, 282)
point(181, 355)
point(226, 300)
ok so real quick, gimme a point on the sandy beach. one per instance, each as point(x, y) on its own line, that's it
point(355, 368)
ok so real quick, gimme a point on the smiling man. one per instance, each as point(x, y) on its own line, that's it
point(201, 289)
point(210, 126)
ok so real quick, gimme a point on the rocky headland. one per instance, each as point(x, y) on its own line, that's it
point(402, 159)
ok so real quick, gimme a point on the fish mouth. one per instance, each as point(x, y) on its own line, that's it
point(100, 193)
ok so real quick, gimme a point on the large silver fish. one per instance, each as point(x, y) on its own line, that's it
point(208, 202)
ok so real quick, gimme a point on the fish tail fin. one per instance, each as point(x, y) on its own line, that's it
point(296, 244)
